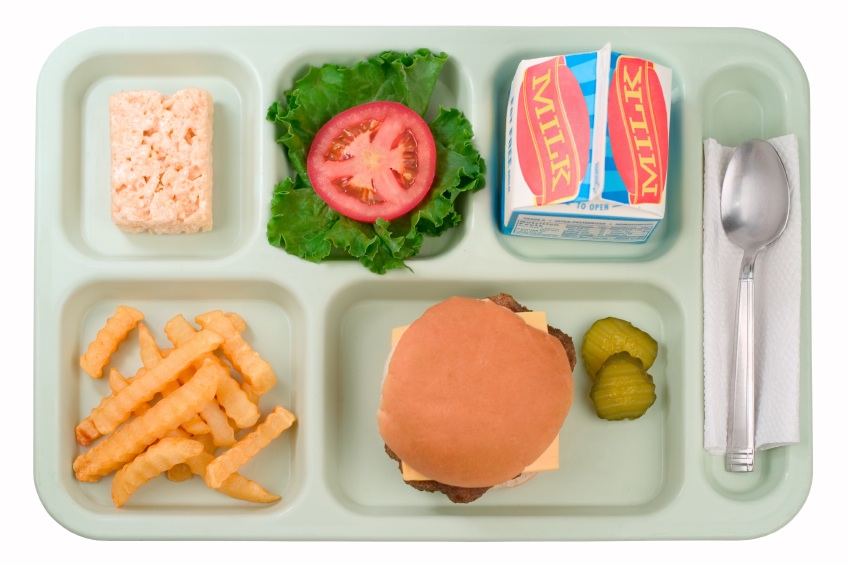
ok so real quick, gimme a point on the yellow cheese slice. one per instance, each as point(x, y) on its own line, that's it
point(550, 458)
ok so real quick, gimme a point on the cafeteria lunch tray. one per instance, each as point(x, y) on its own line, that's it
point(325, 328)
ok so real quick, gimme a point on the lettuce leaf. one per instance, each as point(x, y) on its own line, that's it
point(304, 225)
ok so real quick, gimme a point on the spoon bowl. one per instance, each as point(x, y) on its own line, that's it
point(755, 199)
point(754, 208)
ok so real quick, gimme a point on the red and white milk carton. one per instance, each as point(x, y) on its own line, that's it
point(587, 145)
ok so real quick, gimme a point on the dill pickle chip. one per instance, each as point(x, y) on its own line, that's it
point(622, 388)
point(612, 335)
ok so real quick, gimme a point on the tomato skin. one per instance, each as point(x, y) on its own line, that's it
point(375, 160)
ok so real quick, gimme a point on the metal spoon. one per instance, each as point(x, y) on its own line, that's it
point(754, 207)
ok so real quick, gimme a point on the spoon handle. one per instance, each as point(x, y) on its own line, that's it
point(740, 448)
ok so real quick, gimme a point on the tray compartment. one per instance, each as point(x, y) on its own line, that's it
point(564, 251)
point(647, 452)
point(740, 101)
point(85, 154)
point(275, 322)
point(453, 90)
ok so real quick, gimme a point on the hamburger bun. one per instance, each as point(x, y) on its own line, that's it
point(473, 395)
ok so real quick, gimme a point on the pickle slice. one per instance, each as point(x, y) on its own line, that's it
point(612, 335)
point(622, 389)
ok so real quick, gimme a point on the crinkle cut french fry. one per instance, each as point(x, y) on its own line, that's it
point(236, 404)
point(208, 443)
point(195, 425)
point(213, 419)
point(178, 330)
point(86, 432)
point(253, 368)
point(149, 351)
point(118, 382)
point(114, 410)
point(159, 457)
point(106, 342)
point(133, 438)
point(231, 460)
point(237, 321)
point(250, 393)
point(179, 473)
point(236, 485)
point(222, 432)
point(151, 356)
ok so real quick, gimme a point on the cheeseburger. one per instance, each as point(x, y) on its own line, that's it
point(474, 396)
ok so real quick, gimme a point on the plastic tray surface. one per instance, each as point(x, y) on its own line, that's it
point(326, 328)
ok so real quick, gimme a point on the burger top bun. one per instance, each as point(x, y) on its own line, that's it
point(473, 394)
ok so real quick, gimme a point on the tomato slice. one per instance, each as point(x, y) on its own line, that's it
point(376, 160)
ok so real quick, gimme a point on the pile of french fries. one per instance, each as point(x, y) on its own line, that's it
point(180, 413)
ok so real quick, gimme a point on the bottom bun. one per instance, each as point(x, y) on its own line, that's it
point(520, 480)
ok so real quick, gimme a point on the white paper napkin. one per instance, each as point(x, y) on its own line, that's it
point(778, 282)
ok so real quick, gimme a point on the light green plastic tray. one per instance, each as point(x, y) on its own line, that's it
point(326, 328)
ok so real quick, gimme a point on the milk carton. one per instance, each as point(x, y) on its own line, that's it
point(587, 142)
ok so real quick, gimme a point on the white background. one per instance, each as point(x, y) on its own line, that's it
point(30, 33)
